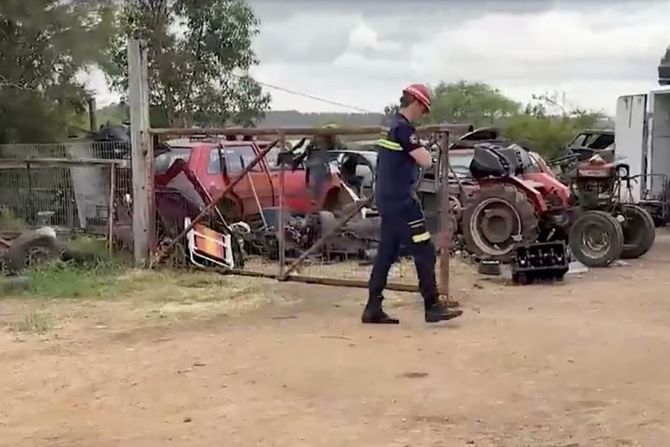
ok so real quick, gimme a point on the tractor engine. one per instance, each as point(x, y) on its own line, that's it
point(595, 182)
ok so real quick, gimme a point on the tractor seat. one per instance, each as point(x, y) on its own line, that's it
point(487, 161)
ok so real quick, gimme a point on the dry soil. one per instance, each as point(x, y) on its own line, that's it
point(223, 363)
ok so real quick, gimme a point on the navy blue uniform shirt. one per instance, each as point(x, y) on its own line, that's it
point(397, 171)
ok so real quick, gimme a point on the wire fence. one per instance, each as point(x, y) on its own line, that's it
point(64, 185)
point(38, 187)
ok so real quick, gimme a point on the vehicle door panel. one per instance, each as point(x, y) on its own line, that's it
point(296, 194)
point(255, 183)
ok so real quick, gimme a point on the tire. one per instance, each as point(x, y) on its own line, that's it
point(611, 228)
point(508, 197)
point(31, 248)
point(639, 232)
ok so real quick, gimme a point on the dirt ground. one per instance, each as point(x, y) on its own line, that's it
point(203, 362)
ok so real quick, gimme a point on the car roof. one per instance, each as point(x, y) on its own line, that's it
point(597, 131)
point(191, 144)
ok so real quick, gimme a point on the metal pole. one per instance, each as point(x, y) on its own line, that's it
point(446, 230)
point(336, 282)
point(292, 131)
point(212, 205)
point(258, 201)
point(31, 202)
point(355, 210)
point(281, 237)
point(110, 209)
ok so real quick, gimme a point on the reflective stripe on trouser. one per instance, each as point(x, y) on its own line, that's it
point(405, 228)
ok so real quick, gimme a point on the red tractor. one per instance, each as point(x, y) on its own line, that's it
point(598, 181)
point(517, 205)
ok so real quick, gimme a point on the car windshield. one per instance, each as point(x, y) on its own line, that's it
point(460, 163)
point(163, 161)
point(236, 159)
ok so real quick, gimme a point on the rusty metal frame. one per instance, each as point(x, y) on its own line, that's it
point(280, 135)
point(210, 207)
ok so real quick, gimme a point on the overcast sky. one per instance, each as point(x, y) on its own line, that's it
point(362, 53)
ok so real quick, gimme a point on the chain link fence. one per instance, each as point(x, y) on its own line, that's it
point(63, 185)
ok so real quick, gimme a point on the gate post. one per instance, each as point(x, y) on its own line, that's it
point(446, 230)
point(142, 153)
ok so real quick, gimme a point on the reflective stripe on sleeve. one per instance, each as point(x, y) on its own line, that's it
point(388, 144)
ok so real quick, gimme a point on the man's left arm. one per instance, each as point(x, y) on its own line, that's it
point(410, 143)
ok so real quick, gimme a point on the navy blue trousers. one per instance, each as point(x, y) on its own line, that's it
point(404, 226)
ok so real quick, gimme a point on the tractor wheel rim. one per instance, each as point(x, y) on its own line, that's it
point(595, 240)
point(495, 206)
point(35, 256)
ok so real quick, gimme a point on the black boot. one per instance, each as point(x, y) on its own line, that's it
point(374, 314)
point(439, 312)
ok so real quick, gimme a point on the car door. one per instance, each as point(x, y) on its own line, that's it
point(296, 192)
point(254, 188)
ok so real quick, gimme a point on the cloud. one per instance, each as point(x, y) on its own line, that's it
point(593, 51)
point(363, 52)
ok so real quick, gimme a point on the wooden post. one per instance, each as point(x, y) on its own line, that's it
point(92, 114)
point(446, 230)
point(110, 209)
point(142, 152)
point(281, 217)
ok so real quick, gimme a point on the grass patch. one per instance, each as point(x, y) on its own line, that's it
point(64, 280)
point(88, 272)
point(34, 323)
point(9, 222)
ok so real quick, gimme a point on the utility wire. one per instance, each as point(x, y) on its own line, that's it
point(307, 95)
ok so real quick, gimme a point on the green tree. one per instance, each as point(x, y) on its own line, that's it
point(470, 102)
point(195, 48)
point(44, 46)
point(548, 133)
point(546, 123)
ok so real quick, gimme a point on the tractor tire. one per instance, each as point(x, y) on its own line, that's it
point(31, 248)
point(639, 232)
point(483, 238)
point(580, 234)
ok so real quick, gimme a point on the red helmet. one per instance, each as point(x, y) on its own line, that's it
point(421, 93)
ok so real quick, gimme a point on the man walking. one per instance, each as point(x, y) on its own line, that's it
point(402, 221)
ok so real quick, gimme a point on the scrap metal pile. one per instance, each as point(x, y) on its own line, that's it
point(357, 239)
point(507, 205)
